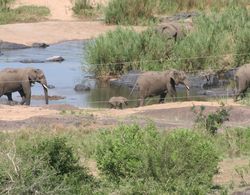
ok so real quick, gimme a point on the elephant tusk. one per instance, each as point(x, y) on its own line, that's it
point(187, 87)
point(45, 86)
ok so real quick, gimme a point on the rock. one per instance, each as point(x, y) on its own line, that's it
point(11, 46)
point(126, 80)
point(27, 61)
point(1, 53)
point(39, 45)
point(55, 59)
point(82, 87)
point(51, 86)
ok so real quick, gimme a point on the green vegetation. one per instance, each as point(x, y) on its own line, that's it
point(219, 41)
point(24, 14)
point(173, 163)
point(119, 51)
point(212, 121)
point(130, 160)
point(143, 11)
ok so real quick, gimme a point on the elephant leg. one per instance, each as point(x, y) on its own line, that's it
point(120, 105)
point(162, 97)
point(9, 95)
point(27, 93)
point(22, 96)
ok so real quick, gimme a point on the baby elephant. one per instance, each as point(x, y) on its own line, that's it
point(119, 101)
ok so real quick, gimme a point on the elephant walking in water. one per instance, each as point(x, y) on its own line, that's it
point(242, 81)
point(119, 101)
point(154, 83)
point(20, 80)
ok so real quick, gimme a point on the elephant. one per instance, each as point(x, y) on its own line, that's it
point(20, 80)
point(242, 81)
point(175, 30)
point(154, 83)
point(118, 102)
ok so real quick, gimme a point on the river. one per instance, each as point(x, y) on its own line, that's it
point(64, 76)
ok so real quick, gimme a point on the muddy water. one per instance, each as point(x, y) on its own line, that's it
point(65, 75)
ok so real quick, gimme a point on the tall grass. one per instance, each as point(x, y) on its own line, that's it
point(143, 11)
point(216, 36)
point(83, 8)
point(124, 49)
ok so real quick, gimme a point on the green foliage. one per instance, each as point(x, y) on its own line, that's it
point(215, 35)
point(179, 162)
point(122, 50)
point(187, 163)
point(120, 152)
point(212, 121)
point(49, 166)
point(24, 14)
point(129, 12)
point(5, 4)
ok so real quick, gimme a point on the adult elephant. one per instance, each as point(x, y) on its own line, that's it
point(154, 83)
point(20, 80)
point(242, 81)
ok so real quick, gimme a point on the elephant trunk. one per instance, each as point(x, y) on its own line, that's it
point(186, 84)
point(45, 88)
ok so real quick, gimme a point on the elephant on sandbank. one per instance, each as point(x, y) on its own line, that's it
point(242, 81)
point(20, 80)
point(153, 83)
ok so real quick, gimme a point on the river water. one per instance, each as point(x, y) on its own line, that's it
point(64, 76)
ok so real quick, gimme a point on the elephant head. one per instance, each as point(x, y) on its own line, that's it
point(179, 77)
point(37, 75)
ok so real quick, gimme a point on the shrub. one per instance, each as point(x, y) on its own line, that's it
point(178, 162)
point(187, 163)
point(121, 151)
point(122, 50)
point(4, 4)
point(212, 121)
point(50, 166)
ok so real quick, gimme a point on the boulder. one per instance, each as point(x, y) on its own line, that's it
point(11, 46)
point(39, 45)
point(55, 59)
point(82, 87)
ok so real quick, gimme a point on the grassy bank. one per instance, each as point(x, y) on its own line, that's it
point(219, 40)
point(23, 14)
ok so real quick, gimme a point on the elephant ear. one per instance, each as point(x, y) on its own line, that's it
point(174, 76)
point(32, 74)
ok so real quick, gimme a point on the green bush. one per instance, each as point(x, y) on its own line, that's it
point(49, 166)
point(187, 163)
point(119, 51)
point(213, 121)
point(120, 152)
point(179, 162)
